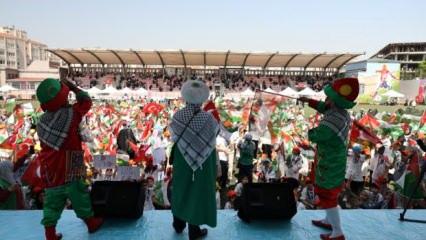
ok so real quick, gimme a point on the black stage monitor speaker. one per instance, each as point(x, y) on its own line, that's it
point(118, 199)
point(267, 201)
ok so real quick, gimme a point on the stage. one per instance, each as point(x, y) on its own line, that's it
point(357, 224)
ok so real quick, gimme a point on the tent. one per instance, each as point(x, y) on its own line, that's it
point(307, 92)
point(393, 94)
point(127, 91)
point(110, 90)
point(289, 92)
point(94, 91)
point(141, 92)
point(7, 88)
point(247, 93)
point(269, 90)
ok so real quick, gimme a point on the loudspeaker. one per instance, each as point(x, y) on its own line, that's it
point(118, 199)
point(267, 201)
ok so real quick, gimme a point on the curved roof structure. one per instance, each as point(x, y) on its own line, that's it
point(204, 58)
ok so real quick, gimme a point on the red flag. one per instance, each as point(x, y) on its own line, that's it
point(211, 107)
point(423, 119)
point(359, 131)
point(420, 95)
point(147, 131)
point(153, 108)
point(32, 174)
point(369, 121)
point(133, 146)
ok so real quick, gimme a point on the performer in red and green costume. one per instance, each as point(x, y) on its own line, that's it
point(331, 137)
point(62, 166)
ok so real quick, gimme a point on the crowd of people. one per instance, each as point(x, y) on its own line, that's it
point(232, 82)
point(136, 132)
point(266, 139)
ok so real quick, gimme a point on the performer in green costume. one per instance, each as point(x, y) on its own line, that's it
point(194, 132)
point(62, 167)
point(331, 137)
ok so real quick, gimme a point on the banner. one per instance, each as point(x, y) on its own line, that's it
point(104, 161)
point(128, 173)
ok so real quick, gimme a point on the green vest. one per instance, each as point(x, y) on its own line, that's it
point(331, 154)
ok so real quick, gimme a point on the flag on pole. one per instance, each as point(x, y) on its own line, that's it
point(263, 108)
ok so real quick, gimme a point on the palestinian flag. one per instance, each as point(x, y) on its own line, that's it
point(406, 184)
point(265, 106)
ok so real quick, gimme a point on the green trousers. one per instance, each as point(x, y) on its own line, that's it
point(56, 197)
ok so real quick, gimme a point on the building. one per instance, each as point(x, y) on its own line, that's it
point(18, 53)
point(375, 75)
point(408, 54)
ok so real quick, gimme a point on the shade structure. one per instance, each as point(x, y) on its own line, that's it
point(7, 88)
point(289, 92)
point(307, 92)
point(204, 58)
point(393, 94)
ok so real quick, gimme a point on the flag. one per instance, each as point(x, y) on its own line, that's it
point(10, 105)
point(407, 183)
point(263, 108)
point(359, 131)
point(32, 175)
point(152, 108)
point(423, 119)
point(369, 121)
point(420, 95)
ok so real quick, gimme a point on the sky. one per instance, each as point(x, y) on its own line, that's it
point(333, 26)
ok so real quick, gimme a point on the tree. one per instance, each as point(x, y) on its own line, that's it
point(422, 69)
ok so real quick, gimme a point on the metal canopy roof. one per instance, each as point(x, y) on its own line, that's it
point(204, 58)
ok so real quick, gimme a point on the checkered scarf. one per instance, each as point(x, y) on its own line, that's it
point(338, 120)
point(54, 126)
point(199, 139)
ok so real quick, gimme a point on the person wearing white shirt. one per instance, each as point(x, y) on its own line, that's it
point(354, 174)
point(293, 164)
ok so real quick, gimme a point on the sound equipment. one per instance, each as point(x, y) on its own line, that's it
point(267, 201)
point(118, 199)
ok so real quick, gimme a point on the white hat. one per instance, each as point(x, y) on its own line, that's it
point(195, 92)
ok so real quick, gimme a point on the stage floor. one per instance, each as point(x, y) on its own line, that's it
point(357, 224)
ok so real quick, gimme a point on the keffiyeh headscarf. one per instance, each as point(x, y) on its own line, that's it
point(199, 139)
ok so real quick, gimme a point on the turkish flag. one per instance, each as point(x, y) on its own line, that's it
point(152, 108)
point(359, 131)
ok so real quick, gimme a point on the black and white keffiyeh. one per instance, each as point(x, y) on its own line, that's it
point(53, 127)
point(199, 138)
point(339, 121)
